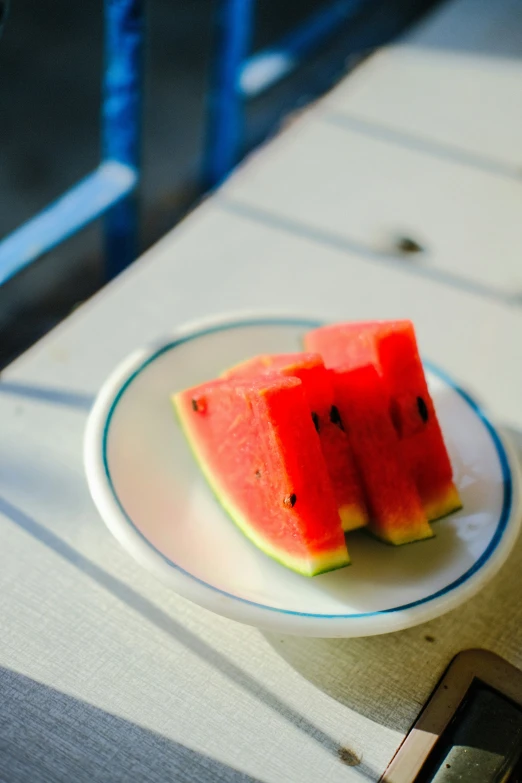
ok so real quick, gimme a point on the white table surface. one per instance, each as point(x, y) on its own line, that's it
point(452, 82)
point(104, 673)
point(422, 140)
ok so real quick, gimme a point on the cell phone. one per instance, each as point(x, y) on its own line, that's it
point(470, 730)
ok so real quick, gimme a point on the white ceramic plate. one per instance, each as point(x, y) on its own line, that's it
point(152, 497)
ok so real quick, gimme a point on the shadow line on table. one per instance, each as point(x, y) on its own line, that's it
point(49, 735)
point(421, 144)
point(346, 245)
point(476, 27)
point(188, 639)
point(47, 394)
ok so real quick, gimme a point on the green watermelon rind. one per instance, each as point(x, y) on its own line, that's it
point(449, 504)
point(395, 544)
point(294, 564)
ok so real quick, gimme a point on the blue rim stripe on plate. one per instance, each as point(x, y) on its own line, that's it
point(311, 324)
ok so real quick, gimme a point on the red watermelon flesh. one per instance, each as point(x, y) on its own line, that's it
point(396, 512)
point(344, 345)
point(258, 448)
point(392, 347)
point(308, 367)
point(337, 452)
point(422, 443)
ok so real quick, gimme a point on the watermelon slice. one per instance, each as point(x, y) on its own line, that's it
point(258, 448)
point(337, 452)
point(391, 347)
point(396, 512)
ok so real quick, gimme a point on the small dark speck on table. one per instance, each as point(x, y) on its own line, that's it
point(408, 245)
point(348, 757)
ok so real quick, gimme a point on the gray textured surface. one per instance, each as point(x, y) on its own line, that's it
point(49, 737)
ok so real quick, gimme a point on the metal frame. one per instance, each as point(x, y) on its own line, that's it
point(241, 78)
point(111, 188)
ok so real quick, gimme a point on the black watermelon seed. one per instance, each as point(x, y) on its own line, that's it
point(423, 409)
point(289, 500)
point(315, 419)
point(195, 405)
point(258, 474)
point(335, 417)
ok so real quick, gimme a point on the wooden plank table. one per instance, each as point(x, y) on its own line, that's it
point(423, 142)
point(107, 675)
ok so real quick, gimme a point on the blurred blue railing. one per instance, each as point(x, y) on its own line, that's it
point(111, 190)
point(241, 77)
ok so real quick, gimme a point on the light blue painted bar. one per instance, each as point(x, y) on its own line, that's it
point(84, 202)
point(121, 121)
point(266, 68)
point(225, 128)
